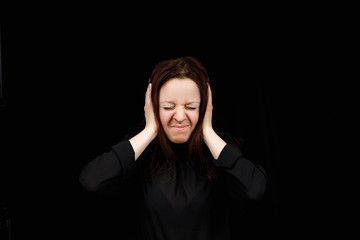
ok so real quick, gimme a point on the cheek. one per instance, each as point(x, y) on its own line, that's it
point(165, 117)
point(193, 117)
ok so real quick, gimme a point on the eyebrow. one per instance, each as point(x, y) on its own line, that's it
point(175, 103)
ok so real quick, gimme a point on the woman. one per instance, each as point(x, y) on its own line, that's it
point(185, 173)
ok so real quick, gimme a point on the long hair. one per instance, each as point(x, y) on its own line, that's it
point(163, 159)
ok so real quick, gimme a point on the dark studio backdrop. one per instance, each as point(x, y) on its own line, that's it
point(72, 90)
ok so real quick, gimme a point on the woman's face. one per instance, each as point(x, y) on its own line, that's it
point(179, 103)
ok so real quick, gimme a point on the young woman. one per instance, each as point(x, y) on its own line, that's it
point(184, 172)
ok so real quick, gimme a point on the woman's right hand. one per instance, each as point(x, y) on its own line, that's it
point(140, 141)
point(149, 111)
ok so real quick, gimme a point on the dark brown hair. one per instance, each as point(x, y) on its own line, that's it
point(164, 159)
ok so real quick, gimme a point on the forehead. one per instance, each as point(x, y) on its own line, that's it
point(179, 90)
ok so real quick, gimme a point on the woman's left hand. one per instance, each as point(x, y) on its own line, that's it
point(214, 142)
point(207, 124)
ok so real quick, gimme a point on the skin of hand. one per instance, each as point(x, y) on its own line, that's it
point(207, 122)
point(140, 141)
point(149, 111)
point(214, 142)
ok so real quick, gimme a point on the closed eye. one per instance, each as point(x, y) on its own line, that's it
point(169, 108)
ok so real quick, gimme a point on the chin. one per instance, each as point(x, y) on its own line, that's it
point(179, 140)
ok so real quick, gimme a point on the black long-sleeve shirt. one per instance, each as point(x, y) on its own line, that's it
point(189, 206)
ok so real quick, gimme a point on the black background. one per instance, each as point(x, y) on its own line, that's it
point(74, 84)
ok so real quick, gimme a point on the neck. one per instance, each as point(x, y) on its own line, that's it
point(180, 149)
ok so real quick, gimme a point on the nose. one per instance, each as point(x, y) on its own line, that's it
point(180, 115)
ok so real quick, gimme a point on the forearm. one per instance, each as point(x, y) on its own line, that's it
point(140, 141)
point(243, 177)
point(99, 171)
point(103, 174)
point(213, 141)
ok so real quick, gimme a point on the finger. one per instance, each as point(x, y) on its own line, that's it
point(148, 95)
point(210, 95)
point(149, 92)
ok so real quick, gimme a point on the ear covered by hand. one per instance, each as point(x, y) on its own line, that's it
point(207, 124)
point(149, 110)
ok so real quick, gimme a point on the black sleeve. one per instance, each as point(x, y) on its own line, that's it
point(243, 178)
point(106, 171)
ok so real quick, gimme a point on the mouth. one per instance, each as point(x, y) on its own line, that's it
point(180, 128)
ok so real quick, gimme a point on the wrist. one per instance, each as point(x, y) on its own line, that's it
point(150, 132)
point(214, 142)
point(207, 131)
